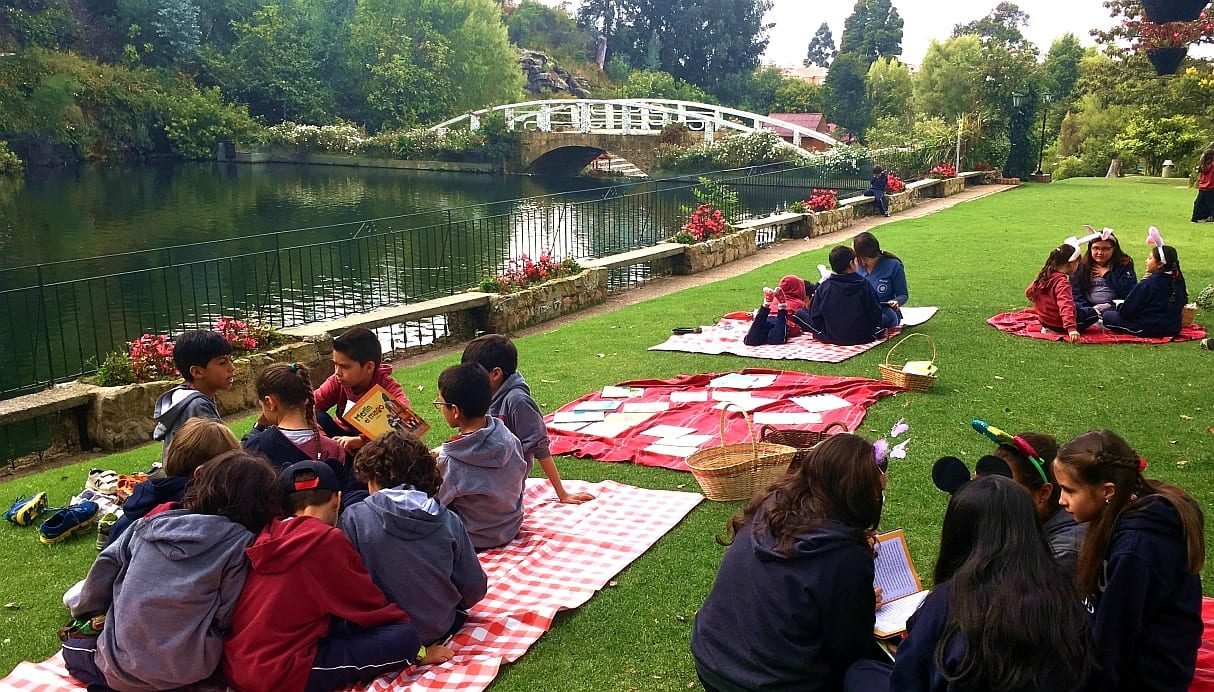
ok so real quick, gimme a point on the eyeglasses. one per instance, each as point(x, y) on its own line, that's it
point(439, 404)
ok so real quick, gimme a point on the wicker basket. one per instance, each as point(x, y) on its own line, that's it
point(893, 374)
point(802, 440)
point(736, 471)
point(1187, 314)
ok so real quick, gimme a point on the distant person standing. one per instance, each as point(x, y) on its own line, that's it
point(1203, 206)
point(876, 189)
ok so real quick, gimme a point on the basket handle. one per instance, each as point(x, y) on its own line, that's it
point(908, 336)
point(754, 442)
point(836, 424)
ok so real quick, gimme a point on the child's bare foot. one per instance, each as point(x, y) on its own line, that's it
point(768, 294)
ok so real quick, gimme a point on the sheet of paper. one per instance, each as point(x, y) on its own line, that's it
point(912, 317)
point(748, 404)
point(894, 572)
point(645, 407)
point(892, 617)
point(605, 429)
point(567, 427)
point(786, 418)
point(685, 440)
point(671, 450)
point(577, 416)
point(596, 406)
point(820, 403)
point(631, 419)
point(734, 381)
point(667, 431)
point(613, 392)
point(689, 396)
point(722, 395)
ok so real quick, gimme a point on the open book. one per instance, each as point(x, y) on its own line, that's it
point(900, 586)
point(376, 412)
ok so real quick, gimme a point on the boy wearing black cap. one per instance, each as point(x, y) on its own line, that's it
point(309, 616)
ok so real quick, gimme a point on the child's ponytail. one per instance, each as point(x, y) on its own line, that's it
point(1171, 265)
point(1059, 256)
point(292, 385)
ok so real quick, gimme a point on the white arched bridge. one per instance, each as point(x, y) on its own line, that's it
point(563, 135)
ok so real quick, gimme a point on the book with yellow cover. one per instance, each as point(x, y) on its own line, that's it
point(376, 412)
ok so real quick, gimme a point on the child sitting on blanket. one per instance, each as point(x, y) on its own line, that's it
point(1051, 294)
point(845, 310)
point(416, 550)
point(1154, 306)
point(512, 403)
point(310, 616)
point(774, 322)
point(484, 471)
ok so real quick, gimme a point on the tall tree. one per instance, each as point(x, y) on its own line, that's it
point(945, 85)
point(821, 48)
point(1003, 25)
point(847, 94)
point(873, 30)
point(799, 96)
point(890, 90)
point(1062, 66)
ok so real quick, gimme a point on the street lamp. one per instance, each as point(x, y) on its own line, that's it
point(1045, 99)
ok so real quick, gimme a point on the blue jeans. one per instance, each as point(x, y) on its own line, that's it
point(767, 328)
point(879, 200)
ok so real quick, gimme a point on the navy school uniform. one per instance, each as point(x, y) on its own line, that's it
point(844, 311)
point(1153, 308)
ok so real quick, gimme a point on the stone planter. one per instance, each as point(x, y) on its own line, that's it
point(510, 312)
point(950, 186)
point(703, 256)
point(833, 221)
point(121, 417)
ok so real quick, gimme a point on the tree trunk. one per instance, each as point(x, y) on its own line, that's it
point(1114, 169)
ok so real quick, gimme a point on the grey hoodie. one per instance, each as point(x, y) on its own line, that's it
point(512, 403)
point(483, 477)
point(419, 554)
point(168, 586)
point(177, 406)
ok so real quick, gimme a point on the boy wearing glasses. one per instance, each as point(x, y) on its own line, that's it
point(484, 471)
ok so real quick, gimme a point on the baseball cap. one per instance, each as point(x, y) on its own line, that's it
point(322, 477)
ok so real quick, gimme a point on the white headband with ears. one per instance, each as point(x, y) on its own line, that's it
point(1094, 235)
point(1153, 238)
point(1074, 243)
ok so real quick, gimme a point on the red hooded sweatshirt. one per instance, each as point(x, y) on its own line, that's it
point(1053, 302)
point(332, 392)
point(794, 299)
point(303, 573)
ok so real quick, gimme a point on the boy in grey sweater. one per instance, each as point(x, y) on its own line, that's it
point(416, 550)
point(484, 471)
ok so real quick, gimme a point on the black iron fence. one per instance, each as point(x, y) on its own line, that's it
point(64, 317)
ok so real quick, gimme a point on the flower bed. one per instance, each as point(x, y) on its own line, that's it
point(511, 311)
point(706, 223)
point(149, 357)
point(524, 272)
point(944, 170)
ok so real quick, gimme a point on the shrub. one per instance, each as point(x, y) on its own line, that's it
point(248, 336)
point(895, 184)
point(523, 272)
point(342, 138)
point(823, 200)
point(10, 163)
point(706, 223)
point(197, 120)
point(945, 170)
point(737, 151)
point(116, 370)
point(716, 194)
point(151, 357)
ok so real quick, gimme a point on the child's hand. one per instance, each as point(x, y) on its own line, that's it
point(437, 654)
point(350, 444)
point(880, 596)
point(576, 498)
point(1073, 337)
point(894, 304)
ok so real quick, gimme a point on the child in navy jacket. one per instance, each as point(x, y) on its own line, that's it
point(844, 310)
point(1153, 308)
point(1104, 274)
point(416, 550)
point(1140, 567)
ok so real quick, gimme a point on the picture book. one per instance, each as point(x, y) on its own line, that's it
point(376, 412)
point(901, 590)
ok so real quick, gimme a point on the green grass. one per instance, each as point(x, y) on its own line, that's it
point(973, 260)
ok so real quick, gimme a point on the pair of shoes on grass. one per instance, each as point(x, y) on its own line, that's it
point(61, 525)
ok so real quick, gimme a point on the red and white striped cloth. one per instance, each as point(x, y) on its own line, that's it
point(562, 556)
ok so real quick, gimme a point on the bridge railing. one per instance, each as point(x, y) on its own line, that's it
point(67, 316)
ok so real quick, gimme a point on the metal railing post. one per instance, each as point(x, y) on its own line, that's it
point(46, 328)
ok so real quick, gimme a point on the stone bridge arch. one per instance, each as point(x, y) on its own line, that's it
point(567, 153)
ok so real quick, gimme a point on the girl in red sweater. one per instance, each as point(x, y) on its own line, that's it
point(1051, 294)
point(1203, 206)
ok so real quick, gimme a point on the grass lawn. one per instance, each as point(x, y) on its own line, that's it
point(973, 260)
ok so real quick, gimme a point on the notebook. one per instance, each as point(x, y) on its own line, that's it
point(899, 582)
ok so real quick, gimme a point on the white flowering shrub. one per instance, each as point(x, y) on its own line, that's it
point(342, 138)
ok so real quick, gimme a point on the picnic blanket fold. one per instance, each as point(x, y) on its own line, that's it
point(1026, 323)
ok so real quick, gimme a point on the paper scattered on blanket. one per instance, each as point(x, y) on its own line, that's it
point(820, 403)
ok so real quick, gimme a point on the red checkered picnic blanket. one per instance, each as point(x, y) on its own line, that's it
point(859, 392)
point(1025, 323)
point(725, 337)
point(562, 556)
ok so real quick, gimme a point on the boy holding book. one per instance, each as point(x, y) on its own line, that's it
point(357, 366)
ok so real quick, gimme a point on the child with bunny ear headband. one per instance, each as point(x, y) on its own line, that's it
point(1105, 274)
point(1051, 293)
point(1154, 307)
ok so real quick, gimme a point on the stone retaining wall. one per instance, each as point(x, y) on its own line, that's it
point(833, 221)
point(713, 253)
point(511, 312)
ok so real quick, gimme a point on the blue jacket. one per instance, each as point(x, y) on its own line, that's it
point(844, 311)
point(782, 623)
point(879, 182)
point(146, 496)
point(484, 474)
point(888, 279)
point(1148, 612)
point(282, 452)
point(1121, 279)
point(419, 554)
point(1153, 308)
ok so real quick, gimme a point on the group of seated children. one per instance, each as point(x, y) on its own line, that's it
point(300, 561)
point(793, 604)
point(1072, 293)
point(856, 304)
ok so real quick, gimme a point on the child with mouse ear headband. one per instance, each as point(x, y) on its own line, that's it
point(1155, 306)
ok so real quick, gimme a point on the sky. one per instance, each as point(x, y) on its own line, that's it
point(797, 20)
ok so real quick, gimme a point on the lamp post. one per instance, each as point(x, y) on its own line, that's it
point(1045, 109)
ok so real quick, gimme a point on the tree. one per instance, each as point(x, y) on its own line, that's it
point(647, 84)
point(873, 30)
point(945, 85)
point(1002, 25)
point(799, 96)
point(846, 92)
point(1156, 139)
point(890, 90)
point(1061, 67)
point(753, 91)
point(176, 24)
point(821, 48)
point(539, 27)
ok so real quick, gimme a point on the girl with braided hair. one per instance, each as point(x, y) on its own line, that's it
point(1153, 308)
point(1139, 567)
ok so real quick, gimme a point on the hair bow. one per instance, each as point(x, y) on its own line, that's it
point(1153, 238)
point(1015, 442)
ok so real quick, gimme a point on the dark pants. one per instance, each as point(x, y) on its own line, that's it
point(1114, 322)
point(1203, 206)
point(1083, 321)
point(766, 329)
point(79, 657)
point(711, 682)
point(879, 200)
point(867, 675)
point(351, 655)
point(890, 317)
point(329, 425)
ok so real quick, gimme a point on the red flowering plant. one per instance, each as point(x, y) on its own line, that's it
point(151, 357)
point(823, 200)
point(524, 271)
point(236, 332)
point(894, 185)
point(1147, 36)
point(945, 170)
point(706, 223)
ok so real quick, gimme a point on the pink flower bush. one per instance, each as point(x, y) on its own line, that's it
point(523, 272)
point(151, 357)
point(823, 200)
point(238, 333)
point(895, 184)
point(706, 223)
point(945, 170)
